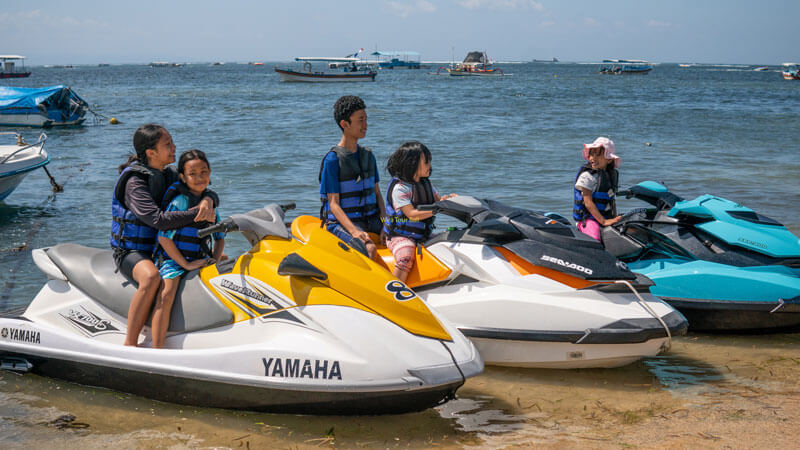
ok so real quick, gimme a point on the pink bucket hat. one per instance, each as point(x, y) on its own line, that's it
point(608, 146)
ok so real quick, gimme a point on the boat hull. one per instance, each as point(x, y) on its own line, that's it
point(16, 163)
point(463, 73)
point(36, 120)
point(15, 75)
point(791, 75)
point(9, 183)
point(319, 77)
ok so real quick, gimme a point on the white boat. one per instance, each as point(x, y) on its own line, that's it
point(791, 71)
point(41, 107)
point(475, 64)
point(8, 69)
point(18, 160)
point(338, 70)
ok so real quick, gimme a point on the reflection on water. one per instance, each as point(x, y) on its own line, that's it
point(676, 373)
point(470, 416)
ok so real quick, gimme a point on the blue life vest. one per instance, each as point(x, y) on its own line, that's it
point(127, 231)
point(357, 174)
point(397, 224)
point(603, 195)
point(185, 238)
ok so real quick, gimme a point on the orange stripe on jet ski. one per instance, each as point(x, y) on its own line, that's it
point(524, 267)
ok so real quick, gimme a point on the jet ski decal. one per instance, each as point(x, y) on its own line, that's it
point(253, 299)
point(291, 368)
point(16, 334)
point(567, 264)
point(401, 292)
point(88, 322)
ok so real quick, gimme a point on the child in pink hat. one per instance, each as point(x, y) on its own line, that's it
point(595, 189)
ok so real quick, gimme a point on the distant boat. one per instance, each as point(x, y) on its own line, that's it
point(791, 71)
point(475, 64)
point(103, 65)
point(19, 159)
point(41, 107)
point(340, 70)
point(554, 60)
point(761, 69)
point(164, 64)
point(402, 59)
point(626, 67)
point(8, 69)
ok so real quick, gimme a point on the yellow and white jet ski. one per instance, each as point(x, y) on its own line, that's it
point(291, 326)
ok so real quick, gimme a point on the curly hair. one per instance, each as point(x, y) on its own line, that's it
point(404, 161)
point(345, 107)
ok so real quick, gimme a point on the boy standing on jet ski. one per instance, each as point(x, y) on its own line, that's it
point(352, 206)
point(596, 185)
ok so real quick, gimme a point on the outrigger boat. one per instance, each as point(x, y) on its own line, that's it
point(791, 71)
point(292, 326)
point(475, 64)
point(41, 107)
point(18, 160)
point(726, 267)
point(530, 291)
point(7, 69)
point(344, 69)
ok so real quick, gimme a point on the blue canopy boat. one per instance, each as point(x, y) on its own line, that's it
point(626, 67)
point(41, 107)
point(403, 59)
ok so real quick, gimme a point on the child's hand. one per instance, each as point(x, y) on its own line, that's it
point(222, 257)
point(448, 196)
point(196, 264)
point(608, 222)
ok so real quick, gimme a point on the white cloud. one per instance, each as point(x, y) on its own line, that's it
point(590, 22)
point(406, 9)
point(34, 19)
point(652, 23)
point(505, 5)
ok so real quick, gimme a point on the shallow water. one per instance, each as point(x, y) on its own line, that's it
point(727, 131)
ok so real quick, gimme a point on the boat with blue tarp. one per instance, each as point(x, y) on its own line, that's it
point(41, 107)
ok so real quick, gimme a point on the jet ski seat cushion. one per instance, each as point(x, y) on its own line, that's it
point(94, 272)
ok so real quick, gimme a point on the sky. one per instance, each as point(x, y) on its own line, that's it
point(141, 31)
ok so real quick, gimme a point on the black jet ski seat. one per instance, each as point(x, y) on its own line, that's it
point(93, 271)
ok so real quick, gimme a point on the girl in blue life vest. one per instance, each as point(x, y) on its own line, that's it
point(137, 216)
point(406, 226)
point(596, 185)
point(181, 250)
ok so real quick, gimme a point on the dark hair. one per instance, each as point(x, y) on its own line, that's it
point(145, 137)
point(404, 161)
point(190, 155)
point(345, 107)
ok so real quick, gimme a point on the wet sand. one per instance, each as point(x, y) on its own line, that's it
point(707, 392)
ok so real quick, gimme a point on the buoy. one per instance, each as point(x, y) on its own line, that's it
point(113, 121)
point(648, 144)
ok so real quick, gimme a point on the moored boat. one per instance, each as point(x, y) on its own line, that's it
point(41, 107)
point(475, 64)
point(791, 71)
point(339, 70)
point(18, 160)
point(8, 68)
point(626, 67)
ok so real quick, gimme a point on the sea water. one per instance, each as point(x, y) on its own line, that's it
point(725, 130)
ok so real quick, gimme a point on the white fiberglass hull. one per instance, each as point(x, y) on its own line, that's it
point(34, 120)
point(17, 162)
point(534, 321)
point(300, 359)
point(318, 77)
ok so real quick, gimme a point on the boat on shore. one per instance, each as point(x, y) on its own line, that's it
point(17, 160)
point(625, 67)
point(8, 67)
point(338, 70)
point(475, 64)
point(791, 71)
point(41, 107)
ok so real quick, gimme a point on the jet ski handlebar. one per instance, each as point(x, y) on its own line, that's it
point(256, 224)
point(225, 226)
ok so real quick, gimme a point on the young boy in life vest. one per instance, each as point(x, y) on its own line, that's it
point(352, 205)
point(596, 185)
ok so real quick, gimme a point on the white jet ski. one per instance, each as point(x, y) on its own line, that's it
point(531, 291)
point(290, 327)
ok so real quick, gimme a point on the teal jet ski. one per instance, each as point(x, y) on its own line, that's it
point(726, 267)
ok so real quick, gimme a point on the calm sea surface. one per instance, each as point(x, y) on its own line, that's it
point(726, 130)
